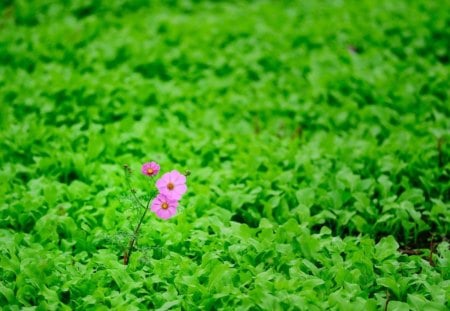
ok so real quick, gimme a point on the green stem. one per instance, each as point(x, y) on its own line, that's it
point(128, 253)
point(133, 192)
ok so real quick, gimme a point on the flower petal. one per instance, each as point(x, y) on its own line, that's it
point(166, 213)
point(156, 205)
point(181, 180)
point(173, 195)
point(144, 168)
point(172, 202)
point(173, 176)
point(162, 182)
point(181, 189)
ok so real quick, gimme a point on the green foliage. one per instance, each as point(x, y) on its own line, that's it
point(317, 133)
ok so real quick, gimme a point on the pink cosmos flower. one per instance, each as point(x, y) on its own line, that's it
point(172, 184)
point(164, 206)
point(150, 169)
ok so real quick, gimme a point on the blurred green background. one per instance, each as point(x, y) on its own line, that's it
point(317, 134)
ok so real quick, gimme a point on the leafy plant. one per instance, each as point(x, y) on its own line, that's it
point(317, 133)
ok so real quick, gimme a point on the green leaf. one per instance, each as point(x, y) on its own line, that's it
point(398, 306)
point(95, 146)
point(169, 305)
point(386, 248)
point(7, 293)
point(305, 197)
point(391, 284)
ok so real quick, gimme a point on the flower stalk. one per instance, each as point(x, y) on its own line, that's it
point(171, 187)
point(129, 251)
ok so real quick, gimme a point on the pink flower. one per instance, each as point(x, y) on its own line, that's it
point(172, 184)
point(150, 169)
point(164, 206)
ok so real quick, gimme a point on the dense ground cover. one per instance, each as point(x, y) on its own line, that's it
point(316, 133)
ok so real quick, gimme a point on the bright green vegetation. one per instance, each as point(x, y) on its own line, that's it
point(317, 134)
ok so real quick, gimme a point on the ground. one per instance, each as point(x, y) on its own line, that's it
point(316, 134)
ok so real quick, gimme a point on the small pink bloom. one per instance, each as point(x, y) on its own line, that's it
point(164, 206)
point(172, 184)
point(150, 169)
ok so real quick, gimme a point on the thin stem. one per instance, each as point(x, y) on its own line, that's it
point(430, 258)
point(388, 298)
point(440, 155)
point(128, 253)
point(133, 192)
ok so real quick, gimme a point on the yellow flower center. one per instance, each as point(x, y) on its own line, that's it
point(165, 205)
point(150, 171)
point(170, 186)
